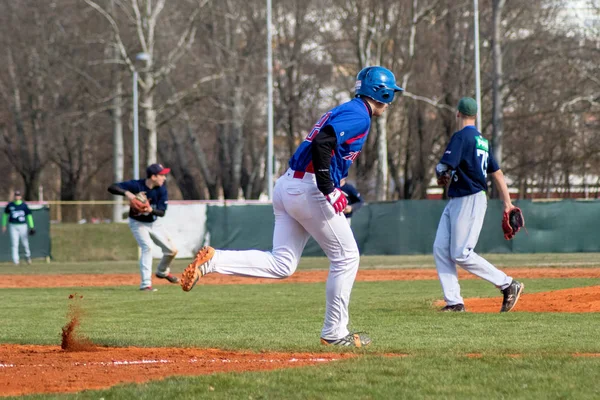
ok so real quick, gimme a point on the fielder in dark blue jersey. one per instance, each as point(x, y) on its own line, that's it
point(307, 201)
point(157, 197)
point(144, 226)
point(466, 163)
point(469, 155)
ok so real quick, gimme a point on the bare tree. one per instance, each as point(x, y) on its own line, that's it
point(145, 16)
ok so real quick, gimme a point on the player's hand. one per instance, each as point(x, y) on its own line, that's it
point(443, 180)
point(3, 229)
point(348, 209)
point(337, 200)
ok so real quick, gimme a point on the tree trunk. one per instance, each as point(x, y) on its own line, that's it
point(147, 104)
point(381, 187)
point(232, 180)
point(180, 169)
point(118, 150)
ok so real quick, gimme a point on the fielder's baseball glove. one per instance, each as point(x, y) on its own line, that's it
point(512, 222)
point(139, 204)
point(443, 174)
point(31, 231)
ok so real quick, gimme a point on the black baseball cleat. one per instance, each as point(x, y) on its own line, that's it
point(511, 295)
point(454, 308)
point(169, 277)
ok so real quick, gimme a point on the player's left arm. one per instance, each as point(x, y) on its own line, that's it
point(160, 208)
point(497, 176)
point(502, 187)
point(29, 217)
point(321, 150)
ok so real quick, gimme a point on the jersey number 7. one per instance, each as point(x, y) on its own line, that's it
point(484, 160)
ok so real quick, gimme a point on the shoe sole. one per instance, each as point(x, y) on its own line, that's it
point(191, 274)
point(357, 342)
point(522, 286)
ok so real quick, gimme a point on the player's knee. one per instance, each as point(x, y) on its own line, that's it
point(145, 248)
point(284, 267)
point(284, 270)
point(440, 249)
point(349, 261)
point(462, 257)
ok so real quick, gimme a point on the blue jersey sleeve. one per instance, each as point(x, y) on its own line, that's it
point(453, 154)
point(348, 125)
point(492, 164)
point(27, 210)
point(131, 186)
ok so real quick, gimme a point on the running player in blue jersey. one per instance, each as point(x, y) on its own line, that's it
point(144, 226)
point(20, 224)
point(465, 164)
point(307, 201)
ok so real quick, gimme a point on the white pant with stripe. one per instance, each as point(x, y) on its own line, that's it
point(455, 241)
point(301, 211)
point(145, 234)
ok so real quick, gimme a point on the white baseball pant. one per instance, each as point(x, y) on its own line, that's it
point(145, 233)
point(301, 211)
point(19, 232)
point(455, 241)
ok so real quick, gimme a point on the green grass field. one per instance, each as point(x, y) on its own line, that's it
point(399, 316)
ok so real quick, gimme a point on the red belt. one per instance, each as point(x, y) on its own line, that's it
point(299, 174)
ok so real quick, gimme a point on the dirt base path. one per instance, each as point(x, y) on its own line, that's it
point(576, 300)
point(46, 369)
point(372, 275)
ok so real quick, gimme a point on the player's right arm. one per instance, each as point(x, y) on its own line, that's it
point(450, 160)
point(121, 189)
point(453, 154)
point(5, 218)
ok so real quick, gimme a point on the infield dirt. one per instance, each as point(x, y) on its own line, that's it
point(79, 364)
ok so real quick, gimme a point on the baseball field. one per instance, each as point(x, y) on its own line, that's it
point(83, 330)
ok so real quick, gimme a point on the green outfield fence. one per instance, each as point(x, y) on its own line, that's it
point(39, 244)
point(409, 226)
point(386, 228)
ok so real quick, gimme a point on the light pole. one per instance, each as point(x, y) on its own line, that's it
point(136, 127)
point(269, 104)
point(477, 68)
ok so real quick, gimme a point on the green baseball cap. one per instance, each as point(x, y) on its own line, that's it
point(467, 106)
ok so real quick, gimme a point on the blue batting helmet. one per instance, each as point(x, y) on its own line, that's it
point(378, 83)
